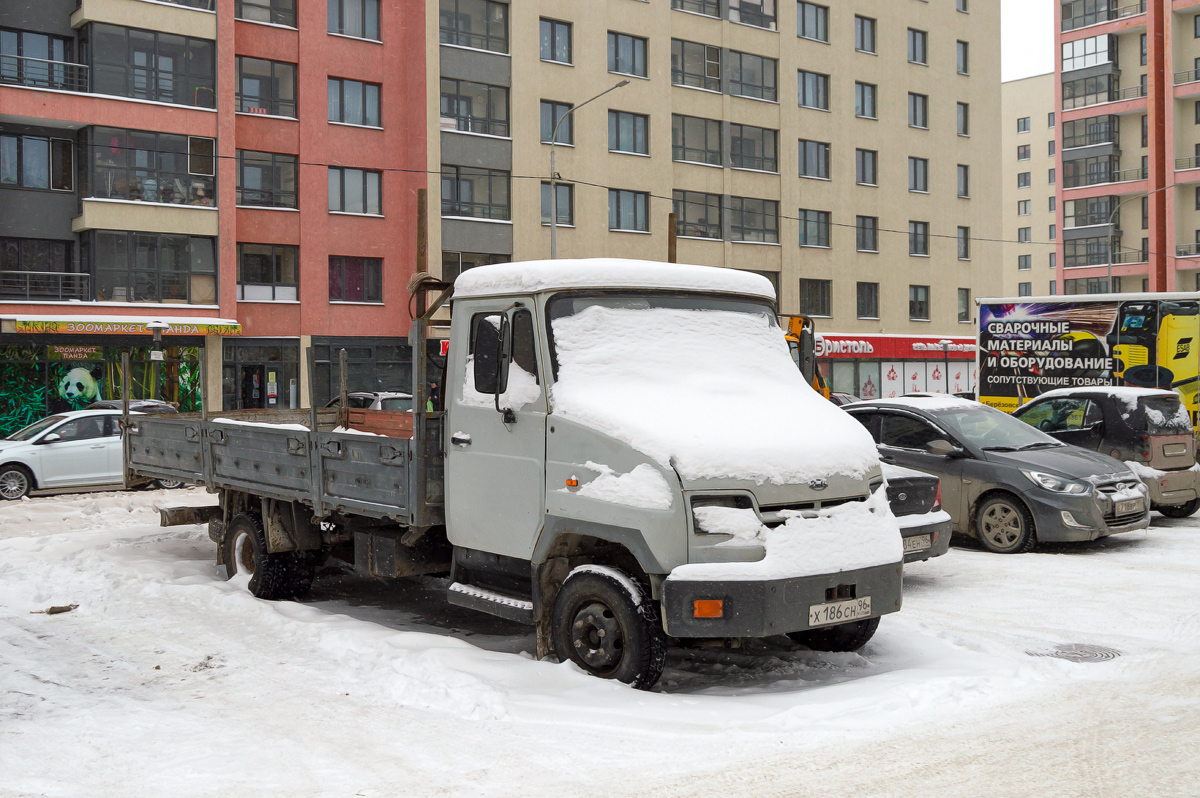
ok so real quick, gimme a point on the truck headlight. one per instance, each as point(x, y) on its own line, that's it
point(1056, 484)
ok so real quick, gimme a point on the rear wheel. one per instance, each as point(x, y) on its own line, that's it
point(272, 576)
point(15, 482)
point(1169, 510)
point(843, 637)
point(169, 484)
point(1005, 526)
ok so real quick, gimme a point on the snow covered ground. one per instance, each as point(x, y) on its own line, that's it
point(168, 680)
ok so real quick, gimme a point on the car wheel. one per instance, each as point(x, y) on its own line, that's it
point(843, 637)
point(15, 482)
point(281, 575)
point(1169, 510)
point(1004, 526)
point(169, 484)
point(606, 623)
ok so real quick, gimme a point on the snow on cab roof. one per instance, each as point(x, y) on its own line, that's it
point(931, 401)
point(551, 275)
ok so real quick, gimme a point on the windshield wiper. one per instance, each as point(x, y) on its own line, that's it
point(1000, 448)
point(1040, 444)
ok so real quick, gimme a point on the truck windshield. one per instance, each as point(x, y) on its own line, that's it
point(992, 430)
point(34, 428)
point(1164, 415)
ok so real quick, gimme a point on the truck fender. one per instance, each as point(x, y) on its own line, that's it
point(556, 527)
point(289, 527)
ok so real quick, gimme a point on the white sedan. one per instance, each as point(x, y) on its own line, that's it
point(67, 450)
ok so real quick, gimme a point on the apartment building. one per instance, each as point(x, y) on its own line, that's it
point(1128, 86)
point(1029, 136)
point(244, 171)
point(844, 150)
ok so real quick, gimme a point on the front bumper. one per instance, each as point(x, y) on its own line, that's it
point(777, 606)
point(1063, 518)
point(939, 535)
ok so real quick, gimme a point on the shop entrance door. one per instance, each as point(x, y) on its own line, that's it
point(254, 388)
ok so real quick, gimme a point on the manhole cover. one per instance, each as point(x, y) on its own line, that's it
point(1079, 652)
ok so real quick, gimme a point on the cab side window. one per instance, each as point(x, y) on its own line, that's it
point(1062, 415)
point(524, 344)
point(906, 432)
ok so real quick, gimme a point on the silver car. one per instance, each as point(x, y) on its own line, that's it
point(1003, 481)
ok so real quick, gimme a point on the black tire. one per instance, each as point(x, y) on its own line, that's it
point(169, 484)
point(601, 626)
point(1004, 526)
point(282, 575)
point(15, 482)
point(1179, 510)
point(843, 637)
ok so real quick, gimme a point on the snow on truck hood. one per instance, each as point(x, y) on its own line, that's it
point(556, 275)
point(712, 393)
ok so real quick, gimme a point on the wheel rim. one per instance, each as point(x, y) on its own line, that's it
point(169, 484)
point(597, 637)
point(13, 484)
point(243, 554)
point(1002, 526)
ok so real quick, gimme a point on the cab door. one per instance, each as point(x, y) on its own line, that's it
point(495, 458)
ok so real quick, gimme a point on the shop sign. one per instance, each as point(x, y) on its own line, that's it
point(835, 345)
point(60, 352)
point(83, 327)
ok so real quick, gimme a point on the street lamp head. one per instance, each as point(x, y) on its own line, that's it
point(622, 83)
point(157, 326)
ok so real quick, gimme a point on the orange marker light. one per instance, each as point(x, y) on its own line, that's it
point(708, 608)
point(572, 483)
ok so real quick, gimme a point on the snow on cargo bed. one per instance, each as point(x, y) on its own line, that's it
point(549, 275)
point(265, 424)
point(712, 393)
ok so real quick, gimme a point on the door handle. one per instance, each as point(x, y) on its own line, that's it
point(460, 439)
point(98, 446)
point(883, 458)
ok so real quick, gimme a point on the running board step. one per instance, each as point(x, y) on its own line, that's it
point(483, 600)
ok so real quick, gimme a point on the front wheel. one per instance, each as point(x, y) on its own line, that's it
point(169, 484)
point(605, 622)
point(1169, 510)
point(15, 482)
point(281, 575)
point(1005, 526)
point(843, 637)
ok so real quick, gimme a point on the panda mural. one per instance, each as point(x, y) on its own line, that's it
point(78, 385)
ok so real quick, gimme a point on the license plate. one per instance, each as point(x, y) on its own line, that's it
point(839, 611)
point(1129, 506)
point(916, 543)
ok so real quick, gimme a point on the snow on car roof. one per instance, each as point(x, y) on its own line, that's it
point(549, 275)
point(924, 402)
point(1122, 392)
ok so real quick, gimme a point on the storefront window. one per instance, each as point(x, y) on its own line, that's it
point(261, 373)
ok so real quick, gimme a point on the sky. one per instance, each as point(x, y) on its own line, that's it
point(1026, 37)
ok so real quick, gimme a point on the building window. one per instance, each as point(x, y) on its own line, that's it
point(812, 21)
point(1024, 235)
point(864, 34)
point(864, 100)
point(353, 102)
point(265, 87)
point(1053, 287)
point(628, 132)
point(266, 178)
point(964, 58)
point(455, 263)
point(39, 269)
point(814, 159)
point(918, 110)
point(552, 116)
point(867, 304)
point(866, 167)
point(475, 193)
point(815, 299)
point(628, 210)
point(1023, 207)
point(866, 233)
point(918, 302)
point(753, 148)
point(1083, 53)
point(814, 228)
point(268, 273)
point(1050, 147)
point(566, 203)
point(151, 167)
point(697, 215)
point(1053, 260)
point(360, 18)
point(472, 107)
point(964, 304)
point(964, 119)
point(1050, 174)
point(964, 243)
point(626, 54)
point(36, 59)
point(146, 65)
point(1050, 119)
point(275, 12)
point(759, 13)
point(1023, 125)
point(1052, 204)
point(754, 220)
point(153, 267)
point(1053, 232)
point(38, 162)
point(355, 279)
point(1024, 262)
point(1024, 289)
point(695, 139)
point(554, 41)
point(813, 90)
point(696, 65)
point(354, 191)
point(478, 24)
point(1023, 180)
point(918, 238)
point(1022, 152)
point(918, 46)
point(918, 174)
point(964, 181)
point(752, 76)
point(709, 8)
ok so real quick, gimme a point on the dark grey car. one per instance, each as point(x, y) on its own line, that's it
point(1004, 482)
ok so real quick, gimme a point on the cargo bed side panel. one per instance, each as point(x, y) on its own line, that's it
point(259, 460)
point(366, 474)
point(166, 448)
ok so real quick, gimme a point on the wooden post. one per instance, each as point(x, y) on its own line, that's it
point(422, 241)
point(312, 391)
point(672, 233)
point(343, 412)
point(203, 383)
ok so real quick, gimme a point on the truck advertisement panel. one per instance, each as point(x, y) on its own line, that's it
point(1028, 348)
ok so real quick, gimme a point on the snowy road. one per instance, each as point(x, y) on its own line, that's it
point(167, 680)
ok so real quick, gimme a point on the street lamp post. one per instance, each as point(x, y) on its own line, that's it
point(1112, 233)
point(156, 354)
point(945, 344)
point(553, 173)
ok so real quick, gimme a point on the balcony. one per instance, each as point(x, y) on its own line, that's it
point(1130, 256)
point(1188, 76)
point(21, 70)
point(1103, 176)
point(45, 286)
point(203, 5)
point(1188, 163)
point(1187, 250)
point(1103, 15)
point(1106, 135)
point(1129, 93)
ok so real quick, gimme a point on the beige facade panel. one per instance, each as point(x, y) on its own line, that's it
point(1029, 266)
point(164, 17)
point(145, 217)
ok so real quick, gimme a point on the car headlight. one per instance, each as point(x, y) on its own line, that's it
point(1056, 484)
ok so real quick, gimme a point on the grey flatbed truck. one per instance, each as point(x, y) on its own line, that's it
point(586, 470)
